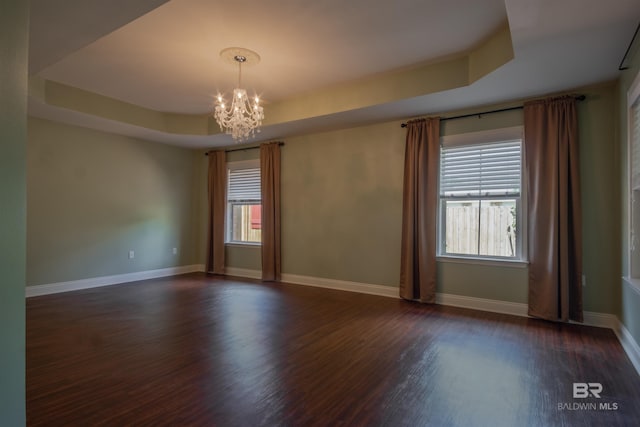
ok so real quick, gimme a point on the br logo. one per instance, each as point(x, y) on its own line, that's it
point(584, 390)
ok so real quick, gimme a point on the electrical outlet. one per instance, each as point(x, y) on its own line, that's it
point(132, 254)
point(175, 251)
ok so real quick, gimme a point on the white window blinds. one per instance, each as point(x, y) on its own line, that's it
point(244, 185)
point(481, 170)
point(634, 138)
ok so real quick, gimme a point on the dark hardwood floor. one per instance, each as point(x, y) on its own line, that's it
point(204, 351)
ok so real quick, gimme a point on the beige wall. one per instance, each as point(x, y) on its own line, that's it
point(342, 201)
point(93, 196)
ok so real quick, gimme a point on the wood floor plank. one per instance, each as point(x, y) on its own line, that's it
point(201, 350)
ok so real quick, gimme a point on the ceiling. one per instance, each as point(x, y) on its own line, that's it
point(150, 68)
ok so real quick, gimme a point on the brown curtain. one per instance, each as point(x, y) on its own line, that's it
point(270, 188)
point(554, 215)
point(217, 186)
point(419, 208)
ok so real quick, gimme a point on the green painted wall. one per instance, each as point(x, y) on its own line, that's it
point(14, 32)
point(247, 257)
point(93, 196)
point(629, 309)
point(342, 203)
point(502, 283)
point(482, 123)
point(599, 160)
point(201, 170)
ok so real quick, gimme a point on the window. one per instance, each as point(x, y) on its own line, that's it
point(244, 209)
point(481, 213)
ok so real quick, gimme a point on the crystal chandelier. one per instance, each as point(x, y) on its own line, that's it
point(243, 117)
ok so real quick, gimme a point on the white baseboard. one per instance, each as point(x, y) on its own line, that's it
point(600, 320)
point(342, 285)
point(629, 345)
point(94, 282)
point(483, 304)
point(243, 272)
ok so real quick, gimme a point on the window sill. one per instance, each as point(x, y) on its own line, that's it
point(483, 261)
point(243, 244)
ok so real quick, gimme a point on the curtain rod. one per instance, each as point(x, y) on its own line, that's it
point(622, 65)
point(519, 107)
point(242, 149)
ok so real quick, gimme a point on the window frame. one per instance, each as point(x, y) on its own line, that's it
point(484, 138)
point(228, 232)
point(633, 102)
